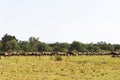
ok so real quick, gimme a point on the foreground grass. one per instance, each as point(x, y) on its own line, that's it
point(69, 68)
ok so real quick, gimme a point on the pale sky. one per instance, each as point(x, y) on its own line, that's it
point(61, 20)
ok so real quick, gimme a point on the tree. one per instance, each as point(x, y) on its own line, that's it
point(80, 47)
point(0, 46)
point(60, 47)
point(9, 43)
point(105, 46)
point(116, 47)
point(55, 46)
point(93, 48)
point(34, 42)
point(42, 47)
point(64, 47)
point(24, 46)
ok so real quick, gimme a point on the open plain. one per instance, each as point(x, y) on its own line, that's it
point(67, 68)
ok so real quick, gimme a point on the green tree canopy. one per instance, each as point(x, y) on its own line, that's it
point(0, 46)
point(9, 43)
point(76, 45)
point(34, 43)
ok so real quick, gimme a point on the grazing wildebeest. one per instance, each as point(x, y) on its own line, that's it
point(2, 54)
point(15, 54)
point(23, 54)
point(52, 53)
point(7, 54)
point(79, 53)
point(71, 53)
point(89, 53)
point(48, 53)
point(115, 54)
point(61, 53)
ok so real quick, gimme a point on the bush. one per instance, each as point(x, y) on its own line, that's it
point(58, 58)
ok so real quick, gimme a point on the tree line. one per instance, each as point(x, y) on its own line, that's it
point(9, 43)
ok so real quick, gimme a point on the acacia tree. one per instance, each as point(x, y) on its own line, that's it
point(9, 43)
point(24, 46)
point(106, 46)
point(76, 45)
point(55, 46)
point(42, 47)
point(34, 43)
point(64, 47)
point(93, 48)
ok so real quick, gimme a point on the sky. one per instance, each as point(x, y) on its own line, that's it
point(61, 20)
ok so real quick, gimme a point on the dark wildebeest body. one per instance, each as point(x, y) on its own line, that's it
point(115, 54)
point(71, 53)
point(2, 54)
point(7, 54)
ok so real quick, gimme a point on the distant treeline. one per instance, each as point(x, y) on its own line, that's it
point(9, 43)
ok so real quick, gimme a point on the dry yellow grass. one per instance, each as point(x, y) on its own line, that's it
point(69, 68)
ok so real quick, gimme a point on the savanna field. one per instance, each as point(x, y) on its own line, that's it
point(59, 68)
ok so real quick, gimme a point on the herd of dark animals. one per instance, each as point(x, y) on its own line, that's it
point(70, 53)
point(115, 54)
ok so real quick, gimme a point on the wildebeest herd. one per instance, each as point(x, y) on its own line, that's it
point(70, 53)
point(37, 53)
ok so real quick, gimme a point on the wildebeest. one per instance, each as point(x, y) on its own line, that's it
point(2, 54)
point(80, 53)
point(70, 53)
point(61, 53)
point(7, 54)
point(115, 54)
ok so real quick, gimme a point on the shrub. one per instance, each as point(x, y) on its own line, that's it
point(58, 58)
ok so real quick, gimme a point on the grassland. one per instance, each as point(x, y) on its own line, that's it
point(69, 68)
